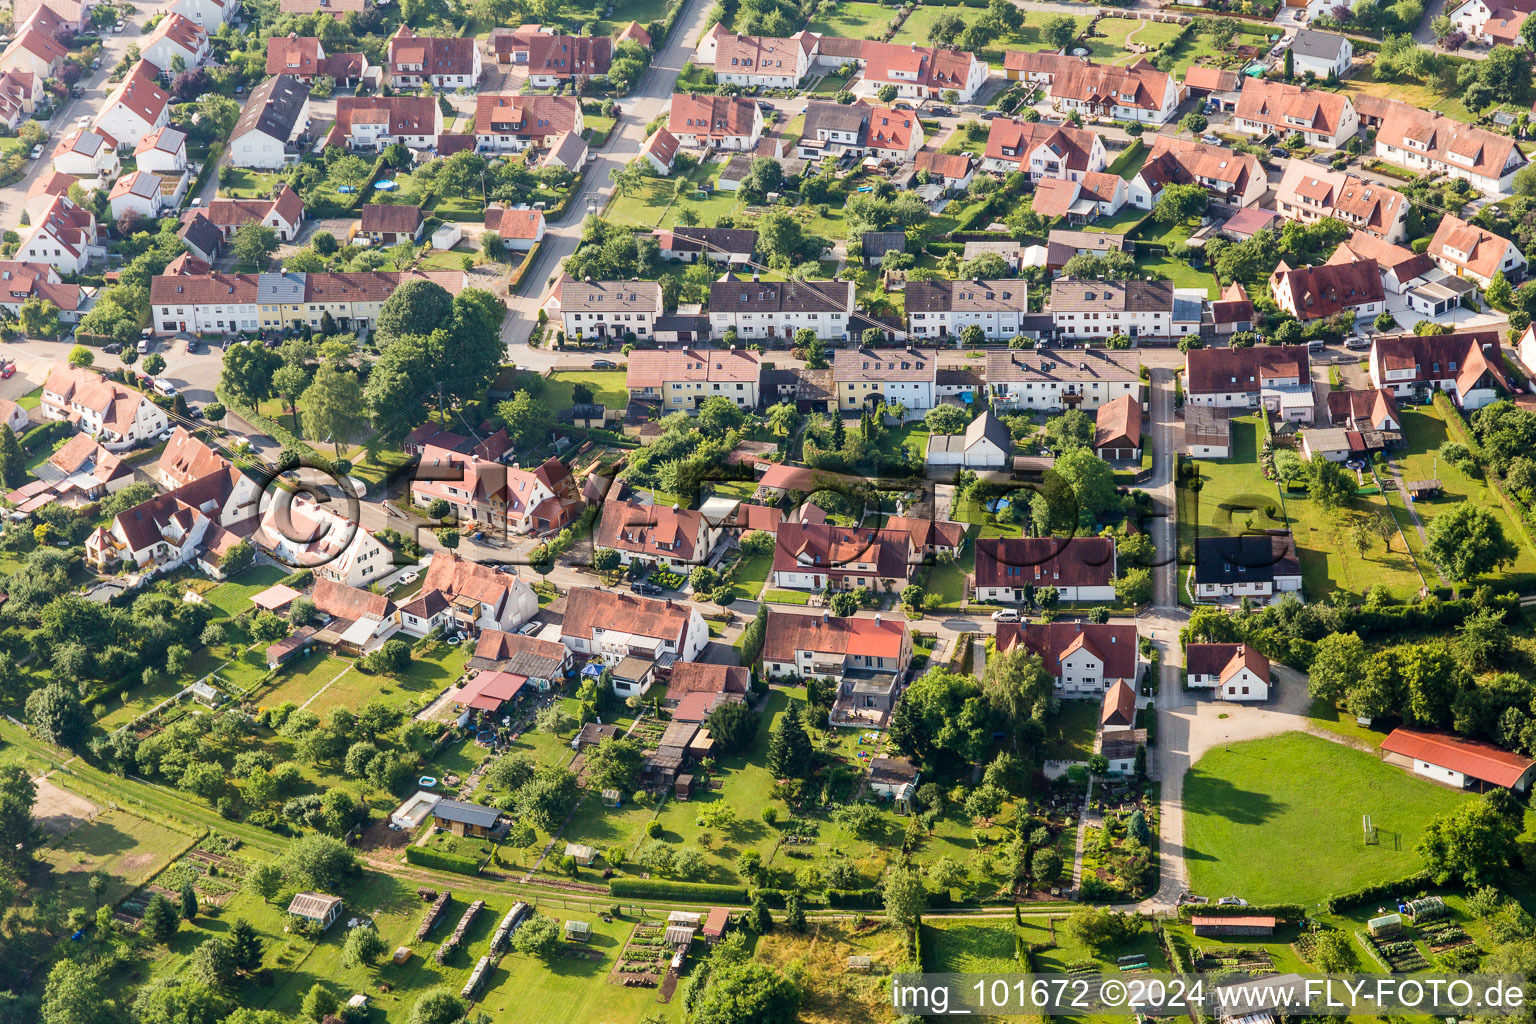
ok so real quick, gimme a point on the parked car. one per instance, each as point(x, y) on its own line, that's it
point(1006, 615)
point(112, 348)
point(165, 387)
point(764, 104)
point(941, 112)
point(37, 151)
point(530, 628)
point(604, 364)
point(1211, 140)
point(1277, 151)
point(1231, 901)
point(143, 345)
point(646, 589)
point(95, 63)
point(118, 27)
point(7, 371)
point(192, 344)
point(991, 115)
point(1357, 342)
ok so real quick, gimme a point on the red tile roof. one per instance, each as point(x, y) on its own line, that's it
point(1119, 706)
point(712, 116)
point(1045, 562)
point(537, 116)
point(1317, 292)
point(1114, 646)
point(1118, 423)
point(788, 633)
point(640, 616)
point(1211, 370)
point(702, 677)
point(1482, 761)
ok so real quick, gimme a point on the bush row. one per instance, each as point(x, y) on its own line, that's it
point(1284, 911)
point(441, 860)
point(688, 892)
point(1375, 893)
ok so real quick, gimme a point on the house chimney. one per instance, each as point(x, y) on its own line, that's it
point(877, 619)
point(826, 617)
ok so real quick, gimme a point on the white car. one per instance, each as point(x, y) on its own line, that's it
point(83, 121)
point(165, 435)
point(1006, 615)
point(1231, 901)
point(165, 387)
point(37, 151)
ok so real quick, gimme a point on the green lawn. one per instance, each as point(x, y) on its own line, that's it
point(234, 596)
point(607, 388)
point(1233, 493)
point(1113, 37)
point(1304, 796)
point(1426, 96)
point(854, 20)
point(303, 677)
point(130, 849)
point(1200, 48)
point(244, 183)
point(752, 573)
point(1069, 733)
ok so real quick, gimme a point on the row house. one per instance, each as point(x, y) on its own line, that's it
point(864, 378)
point(1468, 251)
point(939, 310)
point(1139, 93)
point(820, 556)
point(197, 522)
point(1467, 365)
point(1138, 309)
point(682, 244)
point(1052, 380)
point(489, 494)
point(766, 62)
point(273, 125)
point(414, 61)
point(1042, 150)
point(461, 596)
point(868, 657)
point(1313, 293)
point(1323, 119)
point(1010, 570)
point(1425, 141)
point(1084, 658)
point(304, 58)
point(609, 309)
point(612, 626)
point(283, 213)
point(514, 123)
point(672, 538)
point(1308, 193)
point(779, 309)
point(1278, 377)
point(375, 122)
point(137, 107)
point(65, 237)
point(21, 282)
point(556, 59)
point(683, 380)
point(175, 36)
point(1262, 566)
point(732, 123)
point(218, 303)
point(117, 416)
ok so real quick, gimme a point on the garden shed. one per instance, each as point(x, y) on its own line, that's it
point(680, 935)
point(316, 907)
point(1253, 925)
point(578, 931)
point(584, 854)
point(1386, 924)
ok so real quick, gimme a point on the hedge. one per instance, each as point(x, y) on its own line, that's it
point(688, 892)
point(46, 434)
point(858, 899)
point(1374, 893)
point(442, 861)
point(1284, 911)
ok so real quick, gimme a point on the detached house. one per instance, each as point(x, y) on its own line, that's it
point(1323, 119)
point(163, 151)
point(1137, 93)
point(1236, 671)
point(1468, 251)
point(299, 532)
point(511, 124)
point(1400, 268)
point(716, 122)
point(1321, 54)
point(22, 281)
point(672, 538)
point(283, 213)
point(304, 58)
point(33, 53)
point(519, 230)
point(175, 36)
point(614, 626)
point(1042, 150)
point(136, 107)
point(388, 224)
point(209, 14)
point(116, 416)
point(460, 595)
point(609, 309)
point(954, 171)
point(505, 499)
point(683, 380)
point(1254, 565)
point(869, 657)
point(1279, 377)
point(65, 237)
point(86, 153)
point(414, 61)
point(1080, 568)
point(1308, 193)
point(553, 59)
point(1085, 658)
point(273, 125)
point(1467, 365)
point(137, 193)
point(1312, 293)
point(820, 556)
point(921, 72)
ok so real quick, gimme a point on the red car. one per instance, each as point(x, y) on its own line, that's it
point(7, 371)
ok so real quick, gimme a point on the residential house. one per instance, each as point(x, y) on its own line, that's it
point(388, 224)
point(955, 171)
point(273, 124)
point(503, 499)
point(53, 18)
point(460, 595)
point(609, 309)
point(1308, 193)
point(175, 36)
point(1085, 658)
point(1042, 150)
point(697, 688)
point(360, 620)
point(1097, 194)
point(1232, 312)
point(1468, 251)
point(1400, 267)
point(283, 213)
point(1103, 309)
point(519, 229)
point(33, 53)
point(659, 150)
point(940, 310)
point(568, 151)
point(136, 107)
point(836, 129)
point(1052, 380)
point(930, 537)
point(86, 153)
point(1217, 87)
point(875, 246)
point(1118, 709)
point(225, 303)
point(682, 244)
point(920, 72)
point(986, 444)
point(612, 626)
point(20, 92)
point(137, 193)
point(65, 237)
point(202, 237)
point(1279, 377)
point(1138, 93)
point(158, 535)
point(779, 309)
point(685, 379)
point(869, 657)
point(443, 63)
point(765, 62)
point(1080, 568)
point(1312, 293)
point(1373, 409)
point(1321, 54)
point(1037, 67)
point(163, 152)
point(1467, 365)
point(821, 556)
point(1117, 430)
point(544, 663)
point(1207, 432)
point(185, 459)
point(1253, 565)
point(511, 124)
point(209, 14)
point(1323, 119)
point(671, 538)
point(304, 58)
point(1426, 141)
point(715, 122)
point(1234, 671)
point(22, 281)
point(376, 122)
point(299, 532)
point(557, 59)
point(865, 378)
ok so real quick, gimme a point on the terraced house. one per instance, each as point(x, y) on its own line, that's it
point(609, 309)
point(1323, 119)
point(1052, 380)
point(943, 309)
point(1423, 140)
point(1042, 150)
point(683, 380)
point(218, 303)
point(1139, 93)
point(1467, 365)
point(1138, 309)
point(554, 59)
point(864, 378)
point(1308, 193)
point(778, 309)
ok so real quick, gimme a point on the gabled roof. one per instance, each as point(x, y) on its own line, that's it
point(732, 294)
point(569, 56)
point(352, 603)
point(294, 55)
point(528, 115)
point(404, 115)
point(1119, 706)
point(1465, 244)
point(789, 633)
point(653, 530)
point(703, 677)
point(1071, 146)
point(1212, 370)
point(187, 458)
point(274, 108)
point(586, 608)
point(1481, 761)
point(1448, 141)
point(1323, 45)
point(1224, 660)
point(653, 368)
point(140, 93)
point(1253, 558)
point(1045, 562)
point(390, 218)
point(1140, 85)
point(1462, 356)
point(712, 116)
point(1318, 292)
point(1118, 423)
point(429, 55)
point(1291, 106)
point(514, 224)
point(1113, 646)
point(1404, 263)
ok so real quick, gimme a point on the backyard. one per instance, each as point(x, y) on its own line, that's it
point(1303, 795)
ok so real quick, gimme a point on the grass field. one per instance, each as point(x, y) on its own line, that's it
point(835, 995)
point(1303, 795)
point(1114, 37)
point(130, 849)
point(854, 21)
point(1424, 96)
point(1070, 731)
point(307, 674)
point(607, 388)
point(1200, 48)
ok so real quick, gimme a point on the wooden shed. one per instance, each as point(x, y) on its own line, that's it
point(1253, 925)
